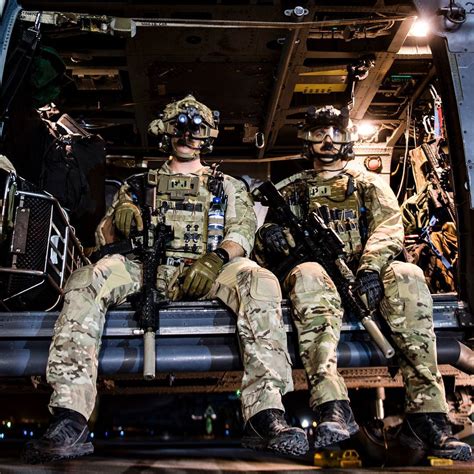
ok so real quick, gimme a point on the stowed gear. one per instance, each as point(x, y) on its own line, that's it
point(321, 123)
point(186, 120)
point(431, 433)
point(65, 438)
point(268, 430)
point(335, 423)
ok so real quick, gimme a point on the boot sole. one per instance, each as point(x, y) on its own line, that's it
point(294, 443)
point(462, 453)
point(329, 433)
point(35, 456)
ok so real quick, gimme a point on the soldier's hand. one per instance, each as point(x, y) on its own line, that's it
point(370, 288)
point(277, 239)
point(202, 275)
point(127, 214)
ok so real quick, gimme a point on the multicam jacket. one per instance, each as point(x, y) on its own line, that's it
point(363, 210)
point(183, 201)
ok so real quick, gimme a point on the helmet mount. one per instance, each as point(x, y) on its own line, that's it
point(188, 120)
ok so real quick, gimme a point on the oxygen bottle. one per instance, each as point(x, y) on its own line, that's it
point(215, 229)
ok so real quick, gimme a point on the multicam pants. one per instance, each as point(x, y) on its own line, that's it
point(252, 292)
point(407, 307)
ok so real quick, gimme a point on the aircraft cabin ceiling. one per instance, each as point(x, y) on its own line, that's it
point(259, 62)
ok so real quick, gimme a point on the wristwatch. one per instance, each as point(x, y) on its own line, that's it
point(222, 254)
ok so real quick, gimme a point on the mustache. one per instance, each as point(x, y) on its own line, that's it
point(184, 142)
point(327, 147)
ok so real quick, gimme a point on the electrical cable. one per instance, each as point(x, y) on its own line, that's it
point(405, 157)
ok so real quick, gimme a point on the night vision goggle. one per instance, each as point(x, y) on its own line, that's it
point(318, 135)
point(193, 122)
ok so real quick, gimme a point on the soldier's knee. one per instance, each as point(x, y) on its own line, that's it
point(408, 302)
point(263, 284)
point(80, 278)
point(408, 279)
point(308, 269)
point(407, 271)
point(95, 275)
point(309, 277)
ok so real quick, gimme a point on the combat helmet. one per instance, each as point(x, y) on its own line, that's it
point(323, 121)
point(186, 115)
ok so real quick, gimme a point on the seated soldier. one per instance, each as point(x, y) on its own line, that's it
point(184, 193)
point(365, 213)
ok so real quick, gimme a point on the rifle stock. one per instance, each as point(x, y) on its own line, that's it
point(439, 196)
point(317, 242)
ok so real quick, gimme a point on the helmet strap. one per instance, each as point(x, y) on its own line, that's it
point(345, 153)
point(186, 156)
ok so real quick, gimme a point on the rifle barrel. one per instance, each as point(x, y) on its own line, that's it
point(149, 355)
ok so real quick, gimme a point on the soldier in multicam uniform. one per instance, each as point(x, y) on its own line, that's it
point(364, 211)
point(184, 194)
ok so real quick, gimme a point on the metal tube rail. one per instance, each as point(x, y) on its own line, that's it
point(20, 358)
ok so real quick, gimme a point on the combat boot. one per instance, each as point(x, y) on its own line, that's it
point(431, 433)
point(335, 423)
point(65, 438)
point(268, 430)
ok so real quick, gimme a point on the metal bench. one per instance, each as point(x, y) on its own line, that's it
point(201, 337)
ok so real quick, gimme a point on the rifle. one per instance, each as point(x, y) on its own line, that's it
point(317, 242)
point(437, 174)
point(151, 253)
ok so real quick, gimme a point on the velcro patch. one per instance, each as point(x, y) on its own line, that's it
point(318, 191)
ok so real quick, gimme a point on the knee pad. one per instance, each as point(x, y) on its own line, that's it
point(263, 285)
point(407, 303)
point(310, 277)
point(409, 280)
point(80, 278)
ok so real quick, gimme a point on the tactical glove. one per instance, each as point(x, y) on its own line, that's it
point(370, 288)
point(202, 275)
point(127, 213)
point(276, 239)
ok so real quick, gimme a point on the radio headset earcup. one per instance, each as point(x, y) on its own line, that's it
point(206, 147)
point(165, 144)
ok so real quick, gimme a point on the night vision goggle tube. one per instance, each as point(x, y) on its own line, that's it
point(318, 135)
point(192, 123)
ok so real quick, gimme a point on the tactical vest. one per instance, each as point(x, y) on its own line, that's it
point(341, 208)
point(183, 203)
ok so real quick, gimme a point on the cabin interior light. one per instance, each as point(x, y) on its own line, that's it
point(366, 129)
point(420, 28)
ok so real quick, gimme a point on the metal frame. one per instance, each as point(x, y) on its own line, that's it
point(60, 263)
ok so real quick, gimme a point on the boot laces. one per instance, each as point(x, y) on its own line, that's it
point(433, 427)
point(332, 411)
point(269, 421)
point(439, 428)
point(64, 431)
point(276, 421)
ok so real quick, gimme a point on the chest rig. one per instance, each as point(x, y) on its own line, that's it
point(183, 201)
point(341, 207)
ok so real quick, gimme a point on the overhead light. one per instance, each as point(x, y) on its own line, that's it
point(366, 129)
point(420, 28)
